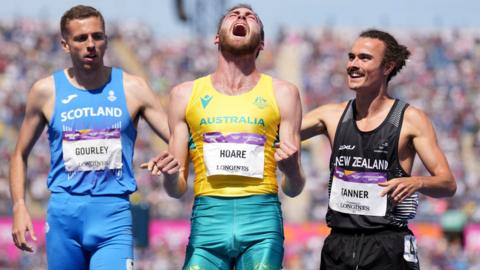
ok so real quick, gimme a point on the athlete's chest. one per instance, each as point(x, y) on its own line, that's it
point(88, 106)
point(365, 151)
point(253, 112)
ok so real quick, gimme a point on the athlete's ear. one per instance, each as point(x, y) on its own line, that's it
point(388, 68)
point(261, 46)
point(216, 41)
point(65, 45)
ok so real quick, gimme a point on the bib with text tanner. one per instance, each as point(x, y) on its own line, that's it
point(358, 193)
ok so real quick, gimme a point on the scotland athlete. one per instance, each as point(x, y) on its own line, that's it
point(91, 111)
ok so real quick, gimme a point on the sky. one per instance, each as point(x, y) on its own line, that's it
point(160, 15)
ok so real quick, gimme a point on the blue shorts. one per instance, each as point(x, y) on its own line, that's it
point(240, 232)
point(89, 232)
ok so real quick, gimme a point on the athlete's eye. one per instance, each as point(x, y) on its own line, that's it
point(364, 57)
point(98, 36)
point(80, 38)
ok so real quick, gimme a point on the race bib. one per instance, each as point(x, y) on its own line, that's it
point(92, 150)
point(358, 193)
point(234, 154)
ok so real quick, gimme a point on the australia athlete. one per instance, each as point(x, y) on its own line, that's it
point(230, 122)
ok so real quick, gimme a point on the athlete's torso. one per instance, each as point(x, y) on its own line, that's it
point(361, 160)
point(232, 139)
point(91, 137)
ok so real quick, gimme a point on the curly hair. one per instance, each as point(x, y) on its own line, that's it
point(394, 52)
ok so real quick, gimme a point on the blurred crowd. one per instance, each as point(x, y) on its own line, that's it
point(442, 78)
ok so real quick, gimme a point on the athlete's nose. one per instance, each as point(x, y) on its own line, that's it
point(90, 43)
point(242, 16)
point(352, 62)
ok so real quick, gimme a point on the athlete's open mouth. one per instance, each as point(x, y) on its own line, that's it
point(240, 30)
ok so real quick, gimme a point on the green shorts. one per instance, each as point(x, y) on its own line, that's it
point(244, 233)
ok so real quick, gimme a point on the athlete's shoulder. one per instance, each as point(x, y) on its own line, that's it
point(43, 88)
point(134, 82)
point(284, 87)
point(179, 99)
point(416, 120)
point(42, 94)
point(182, 90)
point(329, 113)
point(330, 109)
point(322, 120)
point(413, 114)
point(338, 107)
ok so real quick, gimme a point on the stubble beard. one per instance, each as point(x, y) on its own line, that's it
point(245, 48)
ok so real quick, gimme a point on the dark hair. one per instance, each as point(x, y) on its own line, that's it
point(394, 52)
point(247, 6)
point(79, 12)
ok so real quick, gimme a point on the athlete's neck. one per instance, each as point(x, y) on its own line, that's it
point(88, 79)
point(235, 75)
point(370, 106)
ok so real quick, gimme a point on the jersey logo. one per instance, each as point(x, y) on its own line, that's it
point(382, 148)
point(111, 96)
point(205, 100)
point(69, 98)
point(260, 102)
point(346, 147)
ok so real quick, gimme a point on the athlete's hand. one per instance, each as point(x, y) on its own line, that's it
point(163, 163)
point(286, 156)
point(22, 224)
point(401, 188)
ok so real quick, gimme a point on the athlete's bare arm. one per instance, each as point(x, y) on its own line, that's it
point(143, 102)
point(420, 137)
point(175, 176)
point(39, 106)
point(179, 135)
point(322, 120)
point(288, 151)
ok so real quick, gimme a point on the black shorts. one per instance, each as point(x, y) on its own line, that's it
point(390, 249)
